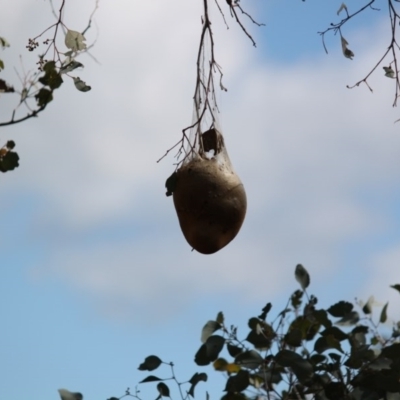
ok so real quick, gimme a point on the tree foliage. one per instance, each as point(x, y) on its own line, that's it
point(304, 352)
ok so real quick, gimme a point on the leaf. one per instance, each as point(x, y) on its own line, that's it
point(383, 316)
point(10, 144)
point(4, 43)
point(238, 382)
point(250, 359)
point(194, 380)
point(150, 363)
point(81, 85)
point(349, 319)
point(232, 368)
point(51, 78)
point(210, 350)
point(67, 395)
point(208, 329)
point(9, 161)
point(367, 309)
point(335, 332)
point(389, 72)
point(265, 311)
point(220, 364)
point(75, 41)
point(302, 368)
point(295, 300)
point(346, 51)
point(396, 287)
point(150, 378)
point(233, 350)
point(326, 343)
point(163, 389)
point(43, 97)
point(220, 318)
point(1, 65)
point(302, 276)
point(342, 7)
point(70, 67)
point(340, 309)
point(5, 88)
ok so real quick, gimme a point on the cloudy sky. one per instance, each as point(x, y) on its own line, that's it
point(95, 272)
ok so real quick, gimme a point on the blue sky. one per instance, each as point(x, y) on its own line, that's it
point(96, 274)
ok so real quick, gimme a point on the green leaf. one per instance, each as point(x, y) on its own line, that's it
point(150, 363)
point(1, 65)
point(340, 309)
point(163, 389)
point(265, 311)
point(301, 367)
point(70, 67)
point(295, 299)
point(151, 378)
point(326, 343)
point(335, 332)
point(249, 359)
point(4, 43)
point(233, 350)
point(5, 88)
point(383, 316)
point(75, 40)
point(51, 78)
point(302, 276)
point(67, 395)
point(194, 380)
point(208, 329)
point(81, 85)
point(220, 318)
point(43, 97)
point(349, 319)
point(9, 161)
point(396, 287)
point(210, 350)
point(237, 383)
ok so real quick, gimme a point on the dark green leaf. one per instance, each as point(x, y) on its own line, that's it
point(220, 318)
point(392, 351)
point(150, 363)
point(336, 390)
point(249, 359)
point(113, 398)
point(327, 342)
point(335, 332)
point(259, 341)
point(265, 311)
point(51, 78)
point(210, 350)
point(396, 287)
point(322, 317)
point(9, 161)
point(340, 309)
point(194, 380)
point(295, 299)
point(383, 316)
point(43, 97)
point(237, 383)
point(294, 338)
point(151, 378)
point(4, 87)
point(302, 368)
point(317, 359)
point(163, 389)
point(302, 276)
point(10, 144)
point(349, 319)
point(170, 184)
point(208, 329)
point(233, 350)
